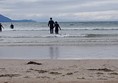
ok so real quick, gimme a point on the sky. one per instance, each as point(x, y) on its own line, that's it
point(61, 10)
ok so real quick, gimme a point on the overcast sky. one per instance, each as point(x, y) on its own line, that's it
point(62, 10)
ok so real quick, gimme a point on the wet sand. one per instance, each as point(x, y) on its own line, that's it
point(58, 71)
point(59, 52)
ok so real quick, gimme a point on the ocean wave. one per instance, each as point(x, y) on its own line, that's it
point(59, 36)
point(101, 35)
point(59, 42)
point(63, 29)
point(90, 28)
point(40, 36)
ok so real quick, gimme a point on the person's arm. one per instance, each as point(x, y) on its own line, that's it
point(49, 23)
point(59, 27)
point(2, 27)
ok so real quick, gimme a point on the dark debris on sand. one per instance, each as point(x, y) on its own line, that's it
point(39, 71)
point(34, 63)
point(102, 69)
point(69, 73)
point(55, 73)
point(9, 75)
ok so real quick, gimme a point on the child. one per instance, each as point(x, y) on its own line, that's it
point(12, 26)
point(1, 27)
point(57, 27)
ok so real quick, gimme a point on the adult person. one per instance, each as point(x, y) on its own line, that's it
point(1, 27)
point(12, 26)
point(57, 27)
point(51, 25)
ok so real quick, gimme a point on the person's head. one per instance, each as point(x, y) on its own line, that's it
point(50, 18)
point(56, 22)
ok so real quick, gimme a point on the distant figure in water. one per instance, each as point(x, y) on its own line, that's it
point(12, 26)
point(51, 25)
point(1, 27)
point(57, 27)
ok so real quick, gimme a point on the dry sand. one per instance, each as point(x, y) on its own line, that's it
point(58, 71)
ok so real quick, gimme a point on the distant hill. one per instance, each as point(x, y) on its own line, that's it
point(6, 19)
point(25, 20)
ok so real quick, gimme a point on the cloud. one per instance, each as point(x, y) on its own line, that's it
point(104, 15)
point(60, 9)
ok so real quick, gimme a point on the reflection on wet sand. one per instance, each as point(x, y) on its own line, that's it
point(53, 52)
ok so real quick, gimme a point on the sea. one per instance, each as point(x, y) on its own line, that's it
point(76, 40)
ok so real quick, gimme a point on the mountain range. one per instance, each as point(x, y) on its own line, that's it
point(6, 19)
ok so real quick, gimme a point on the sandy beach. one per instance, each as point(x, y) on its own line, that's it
point(59, 41)
point(58, 71)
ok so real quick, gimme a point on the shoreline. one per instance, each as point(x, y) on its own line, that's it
point(59, 52)
point(58, 71)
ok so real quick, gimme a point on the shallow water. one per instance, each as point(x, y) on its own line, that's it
point(77, 40)
point(59, 52)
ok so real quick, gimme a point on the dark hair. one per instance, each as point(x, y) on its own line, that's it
point(55, 21)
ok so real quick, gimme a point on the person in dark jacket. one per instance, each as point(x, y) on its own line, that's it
point(57, 27)
point(12, 26)
point(1, 27)
point(51, 25)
